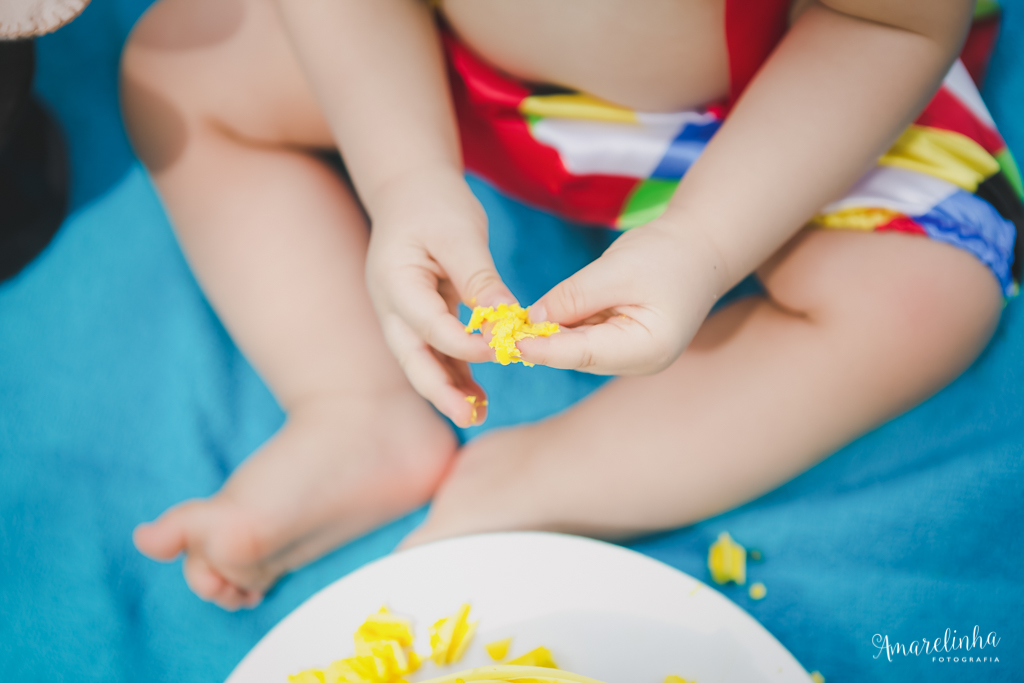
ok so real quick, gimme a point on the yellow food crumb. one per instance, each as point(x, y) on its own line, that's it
point(677, 679)
point(511, 323)
point(757, 590)
point(473, 402)
point(817, 677)
point(498, 650)
point(540, 656)
point(383, 654)
point(727, 560)
point(450, 636)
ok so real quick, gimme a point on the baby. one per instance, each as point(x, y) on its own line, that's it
point(835, 148)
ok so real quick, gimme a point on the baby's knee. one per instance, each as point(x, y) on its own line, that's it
point(155, 122)
point(907, 295)
point(162, 74)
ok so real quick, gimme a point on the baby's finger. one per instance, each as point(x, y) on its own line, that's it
point(618, 346)
point(471, 269)
point(439, 381)
point(418, 303)
point(593, 289)
point(474, 412)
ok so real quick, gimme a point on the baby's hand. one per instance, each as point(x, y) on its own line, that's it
point(428, 251)
point(634, 309)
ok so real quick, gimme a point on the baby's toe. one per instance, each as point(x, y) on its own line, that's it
point(204, 580)
point(167, 537)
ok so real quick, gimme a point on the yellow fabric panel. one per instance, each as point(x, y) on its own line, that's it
point(942, 154)
point(856, 218)
point(575, 107)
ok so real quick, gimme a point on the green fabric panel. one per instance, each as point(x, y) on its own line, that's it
point(648, 201)
point(1009, 167)
point(985, 9)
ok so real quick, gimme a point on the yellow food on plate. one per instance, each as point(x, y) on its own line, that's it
point(383, 654)
point(540, 656)
point(498, 650)
point(450, 636)
point(676, 679)
point(817, 677)
point(511, 323)
point(727, 560)
point(513, 674)
point(758, 591)
point(384, 626)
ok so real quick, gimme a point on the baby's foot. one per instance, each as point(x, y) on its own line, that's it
point(336, 469)
point(499, 482)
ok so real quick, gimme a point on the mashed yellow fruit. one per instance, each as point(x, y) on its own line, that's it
point(540, 656)
point(498, 650)
point(383, 654)
point(513, 674)
point(510, 324)
point(450, 636)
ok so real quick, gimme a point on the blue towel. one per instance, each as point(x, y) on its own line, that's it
point(121, 394)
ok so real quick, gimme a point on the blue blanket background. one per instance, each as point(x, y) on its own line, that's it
point(121, 394)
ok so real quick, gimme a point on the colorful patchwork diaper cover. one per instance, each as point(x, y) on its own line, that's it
point(949, 176)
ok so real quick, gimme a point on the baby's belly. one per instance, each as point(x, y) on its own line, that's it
point(648, 55)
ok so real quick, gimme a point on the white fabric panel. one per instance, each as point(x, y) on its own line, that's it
point(676, 118)
point(898, 189)
point(604, 147)
point(959, 82)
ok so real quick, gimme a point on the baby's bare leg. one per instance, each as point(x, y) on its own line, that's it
point(219, 111)
point(857, 329)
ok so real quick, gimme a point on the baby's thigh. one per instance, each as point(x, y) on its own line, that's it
point(915, 300)
point(225, 62)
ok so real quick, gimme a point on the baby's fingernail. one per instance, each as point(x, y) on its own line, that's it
point(537, 313)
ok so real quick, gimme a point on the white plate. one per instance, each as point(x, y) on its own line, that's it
point(603, 611)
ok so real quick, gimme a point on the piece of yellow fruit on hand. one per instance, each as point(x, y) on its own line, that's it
point(511, 322)
point(475, 405)
point(498, 650)
point(540, 656)
point(450, 636)
point(727, 560)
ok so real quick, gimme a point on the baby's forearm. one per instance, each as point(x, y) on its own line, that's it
point(378, 72)
point(835, 95)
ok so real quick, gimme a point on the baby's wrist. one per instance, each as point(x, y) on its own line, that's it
point(419, 185)
point(699, 254)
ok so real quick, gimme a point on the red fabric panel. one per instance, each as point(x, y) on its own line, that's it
point(497, 145)
point(752, 30)
point(981, 40)
point(902, 224)
point(946, 112)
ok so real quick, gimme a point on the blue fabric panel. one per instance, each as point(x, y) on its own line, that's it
point(972, 224)
point(685, 149)
point(121, 394)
